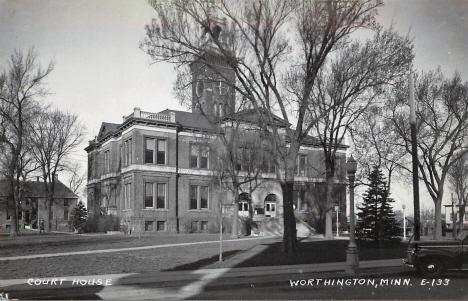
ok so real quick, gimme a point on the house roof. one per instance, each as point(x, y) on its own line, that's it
point(251, 115)
point(107, 128)
point(35, 189)
point(191, 120)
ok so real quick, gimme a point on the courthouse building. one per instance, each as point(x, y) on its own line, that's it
point(155, 170)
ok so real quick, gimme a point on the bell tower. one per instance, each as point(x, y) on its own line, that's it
point(212, 80)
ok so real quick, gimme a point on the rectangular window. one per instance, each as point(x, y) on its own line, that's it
point(199, 156)
point(193, 197)
point(243, 206)
point(149, 150)
point(295, 199)
point(8, 217)
point(161, 226)
point(65, 203)
point(149, 195)
point(337, 164)
point(127, 195)
point(128, 152)
point(193, 156)
point(65, 215)
point(204, 225)
point(199, 197)
point(194, 226)
point(304, 206)
point(204, 197)
point(20, 215)
point(155, 147)
point(149, 225)
point(161, 159)
point(106, 161)
point(161, 201)
point(301, 166)
point(27, 202)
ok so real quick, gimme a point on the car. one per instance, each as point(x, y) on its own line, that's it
point(432, 258)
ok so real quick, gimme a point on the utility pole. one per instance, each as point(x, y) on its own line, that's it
point(414, 152)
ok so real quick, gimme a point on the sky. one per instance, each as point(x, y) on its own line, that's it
point(101, 74)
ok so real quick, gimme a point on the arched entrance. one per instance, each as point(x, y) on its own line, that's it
point(270, 205)
point(244, 204)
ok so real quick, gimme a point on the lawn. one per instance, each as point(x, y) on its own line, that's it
point(134, 261)
point(189, 257)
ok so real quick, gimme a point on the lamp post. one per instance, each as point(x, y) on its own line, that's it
point(352, 256)
point(404, 222)
point(337, 208)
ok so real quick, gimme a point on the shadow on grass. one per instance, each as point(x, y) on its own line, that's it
point(311, 252)
point(203, 262)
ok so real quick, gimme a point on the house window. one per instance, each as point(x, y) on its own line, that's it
point(128, 152)
point(161, 196)
point(8, 217)
point(106, 161)
point(337, 164)
point(161, 226)
point(204, 225)
point(243, 158)
point(155, 151)
point(199, 156)
point(65, 215)
point(301, 166)
point(127, 194)
point(65, 203)
point(299, 200)
point(243, 206)
point(198, 197)
point(20, 215)
point(160, 201)
point(194, 226)
point(149, 225)
point(148, 195)
point(27, 202)
point(268, 162)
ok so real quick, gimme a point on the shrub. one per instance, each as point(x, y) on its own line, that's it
point(101, 224)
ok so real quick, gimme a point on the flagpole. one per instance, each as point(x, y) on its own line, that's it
point(414, 152)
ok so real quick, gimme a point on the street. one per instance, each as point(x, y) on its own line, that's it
point(215, 285)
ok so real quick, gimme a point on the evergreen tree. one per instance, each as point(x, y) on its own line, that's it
point(377, 222)
point(79, 215)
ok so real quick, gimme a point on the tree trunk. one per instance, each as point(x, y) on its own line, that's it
point(290, 244)
point(329, 212)
point(438, 217)
point(13, 200)
point(235, 215)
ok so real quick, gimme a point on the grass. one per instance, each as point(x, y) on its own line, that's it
point(189, 257)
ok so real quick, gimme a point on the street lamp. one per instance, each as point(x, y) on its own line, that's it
point(404, 222)
point(337, 208)
point(352, 256)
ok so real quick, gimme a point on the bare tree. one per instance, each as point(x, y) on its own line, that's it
point(346, 87)
point(54, 137)
point(77, 178)
point(21, 87)
point(442, 129)
point(267, 43)
point(458, 181)
point(373, 144)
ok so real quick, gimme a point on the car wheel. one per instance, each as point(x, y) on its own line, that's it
point(431, 268)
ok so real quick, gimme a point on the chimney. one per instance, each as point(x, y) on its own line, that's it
point(38, 178)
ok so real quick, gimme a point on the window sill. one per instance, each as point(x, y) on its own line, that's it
point(154, 209)
point(125, 210)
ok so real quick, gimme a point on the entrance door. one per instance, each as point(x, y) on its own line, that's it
point(270, 205)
